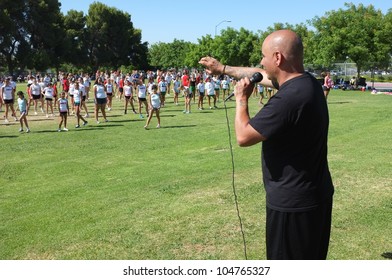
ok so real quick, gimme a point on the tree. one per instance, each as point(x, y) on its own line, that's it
point(13, 35)
point(76, 39)
point(45, 33)
point(353, 33)
point(112, 41)
point(32, 33)
point(167, 55)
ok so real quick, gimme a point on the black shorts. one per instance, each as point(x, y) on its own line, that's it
point(8, 101)
point(142, 99)
point(100, 101)
point(299, 235)
point(36, 97)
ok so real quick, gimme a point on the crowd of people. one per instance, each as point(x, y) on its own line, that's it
point(69, 94)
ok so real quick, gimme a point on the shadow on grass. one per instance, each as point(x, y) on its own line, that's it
point(85, 128)
point(8, 136)
point(341, 102)
point(126, 121)
point(387, 255)
point(177, 126)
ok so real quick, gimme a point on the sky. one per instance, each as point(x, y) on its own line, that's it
point(164, 21)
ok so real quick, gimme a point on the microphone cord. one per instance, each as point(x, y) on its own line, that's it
point(233, 184)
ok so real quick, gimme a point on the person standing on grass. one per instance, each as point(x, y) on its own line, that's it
point(200, 88)
point(169, 79)
point(260, 89)
point(22, 103)
point(176, 89)
point(55, 94)
point(86, 84)
point(185, 80)
point(109, 88)
point(155, 105)
point(82, 89)
point(49, 95)
point(217, 87)
point(71, 93)
point(121, 84)
point(162, 89)
point(150, 83)
point(192, 86)
point(63, 110)
point(7, 92)
point(328, 83)
point(225, 86)
point(142, 97)
point(78, 95)
point(293, 129)
point(210, 91)
point(35, 91)
point(127, 89)
point(100, 99)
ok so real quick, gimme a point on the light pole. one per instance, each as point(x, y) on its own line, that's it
point(216, 26)
point(345, 67)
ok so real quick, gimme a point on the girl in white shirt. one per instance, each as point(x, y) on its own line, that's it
point(22, 103)
point(49, 95)
point(210, 91)
point(128, 94)
point(155, 105)
point(142, 96)
point(109, 92)
point(64, 111)
point(78, 95)
point(100, 99)
point(7, 93)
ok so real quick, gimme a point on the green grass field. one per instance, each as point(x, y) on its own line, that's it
point(116, 191)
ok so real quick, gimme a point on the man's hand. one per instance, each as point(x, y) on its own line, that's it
point(212, 65)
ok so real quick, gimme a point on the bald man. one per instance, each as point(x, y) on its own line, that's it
point(293, 127)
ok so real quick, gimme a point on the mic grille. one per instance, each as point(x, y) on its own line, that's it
point(256, 77)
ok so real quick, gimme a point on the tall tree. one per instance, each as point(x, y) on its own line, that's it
point(167, 55)
point(46, 33)
point(76, 39)
point(351, 33)
point(13, 35)
point(112, 39)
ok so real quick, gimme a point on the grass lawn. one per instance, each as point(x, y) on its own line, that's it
point(116, 191)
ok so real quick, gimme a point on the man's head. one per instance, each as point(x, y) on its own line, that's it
point(282, 53)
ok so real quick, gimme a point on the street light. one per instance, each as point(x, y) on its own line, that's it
point(216, 26)
point(345, 67)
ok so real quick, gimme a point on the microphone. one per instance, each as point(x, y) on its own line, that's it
point(256, 77)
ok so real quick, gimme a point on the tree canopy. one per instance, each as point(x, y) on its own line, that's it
point(35, 35)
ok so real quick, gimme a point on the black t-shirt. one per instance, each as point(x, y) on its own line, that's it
point(294, 156)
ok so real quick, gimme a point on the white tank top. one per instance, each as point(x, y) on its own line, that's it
point(63, 105)
point(100, 91)
point(142, 91)
point(127, 91)
point(155, 100)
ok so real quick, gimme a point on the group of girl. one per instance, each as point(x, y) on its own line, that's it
point(150, 95)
